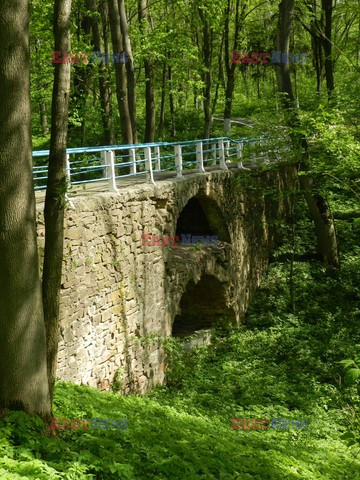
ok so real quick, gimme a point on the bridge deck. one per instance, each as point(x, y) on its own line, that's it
point(129, 182)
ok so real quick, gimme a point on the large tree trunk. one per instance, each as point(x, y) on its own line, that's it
point(318, 207)
point(149, 78)
point(130, 68)
point(104, 80)
point(327, 6)
point(56, 188)
point(120, 74)
point(23, 374)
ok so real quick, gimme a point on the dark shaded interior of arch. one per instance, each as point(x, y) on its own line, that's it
point(202, 218)
point(192, 220)
point(202, 306)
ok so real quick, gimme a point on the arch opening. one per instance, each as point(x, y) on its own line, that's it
point(201, 216)
point(202, 306)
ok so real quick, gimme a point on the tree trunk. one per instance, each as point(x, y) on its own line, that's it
point(318, 207)
point(149, 78)
point(80, 90)
point(23, 374)
point(327, 6)
point(43, 118)
point(104, 80)
point(171, 103)
point(130, 68)
point(220, 73)
point(230, 67)
point(120, 74)
point(206, 54)
point(162, 105)
point(56, 188)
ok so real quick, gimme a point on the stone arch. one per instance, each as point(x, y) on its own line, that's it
point(202, 216)
point(202, 306)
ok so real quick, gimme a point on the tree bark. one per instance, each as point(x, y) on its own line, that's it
point(43, 118)
point(207, 59)
point(56, 188)
point(130, 69)
point(23, 373)
point(318, 206)
point(149, 78)
point(104, 80)
point(229, 66)
point(120, 74)
point(162, 105)
point(220, 74)
point(171, 103)
point(327, 6)
point(80, 90)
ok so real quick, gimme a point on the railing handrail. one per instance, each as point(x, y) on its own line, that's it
point(146, 158)
point(72, 150)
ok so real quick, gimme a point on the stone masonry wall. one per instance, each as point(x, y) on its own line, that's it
point(119, 297)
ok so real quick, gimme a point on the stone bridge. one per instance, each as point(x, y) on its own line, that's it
point(120, 299)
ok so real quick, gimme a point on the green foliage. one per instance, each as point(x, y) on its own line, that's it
point(278, 364)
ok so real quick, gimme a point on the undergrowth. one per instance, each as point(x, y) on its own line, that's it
point(282, 362)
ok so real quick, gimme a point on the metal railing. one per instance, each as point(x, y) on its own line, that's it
point(110, 163)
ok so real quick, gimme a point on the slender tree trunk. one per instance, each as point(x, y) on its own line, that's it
point(80, 76)
point(220, 73)
point(23, 374)
point(104, 81)
point(149, 77)
point(120, 74)
point(318, 64)
point(130, 68)
point(327, 6)
point(244, 75)
point(318, 207)
point(56, 188)
point(43, 118)
point(163, 97)
point(171, 104)
point(207, 54)
point(230, 67)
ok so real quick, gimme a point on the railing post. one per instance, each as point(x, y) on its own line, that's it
point(222, 155)
point(148, 165)
point(200, 157)
point(227, 149)
point(132, 157)
point(103, 162)
point(68, 170)
point(214, 153)
point(157, 156)
point(239, 152)
point(178, 161)
point(110, 170)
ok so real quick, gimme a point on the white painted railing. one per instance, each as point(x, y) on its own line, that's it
point(84, 165)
